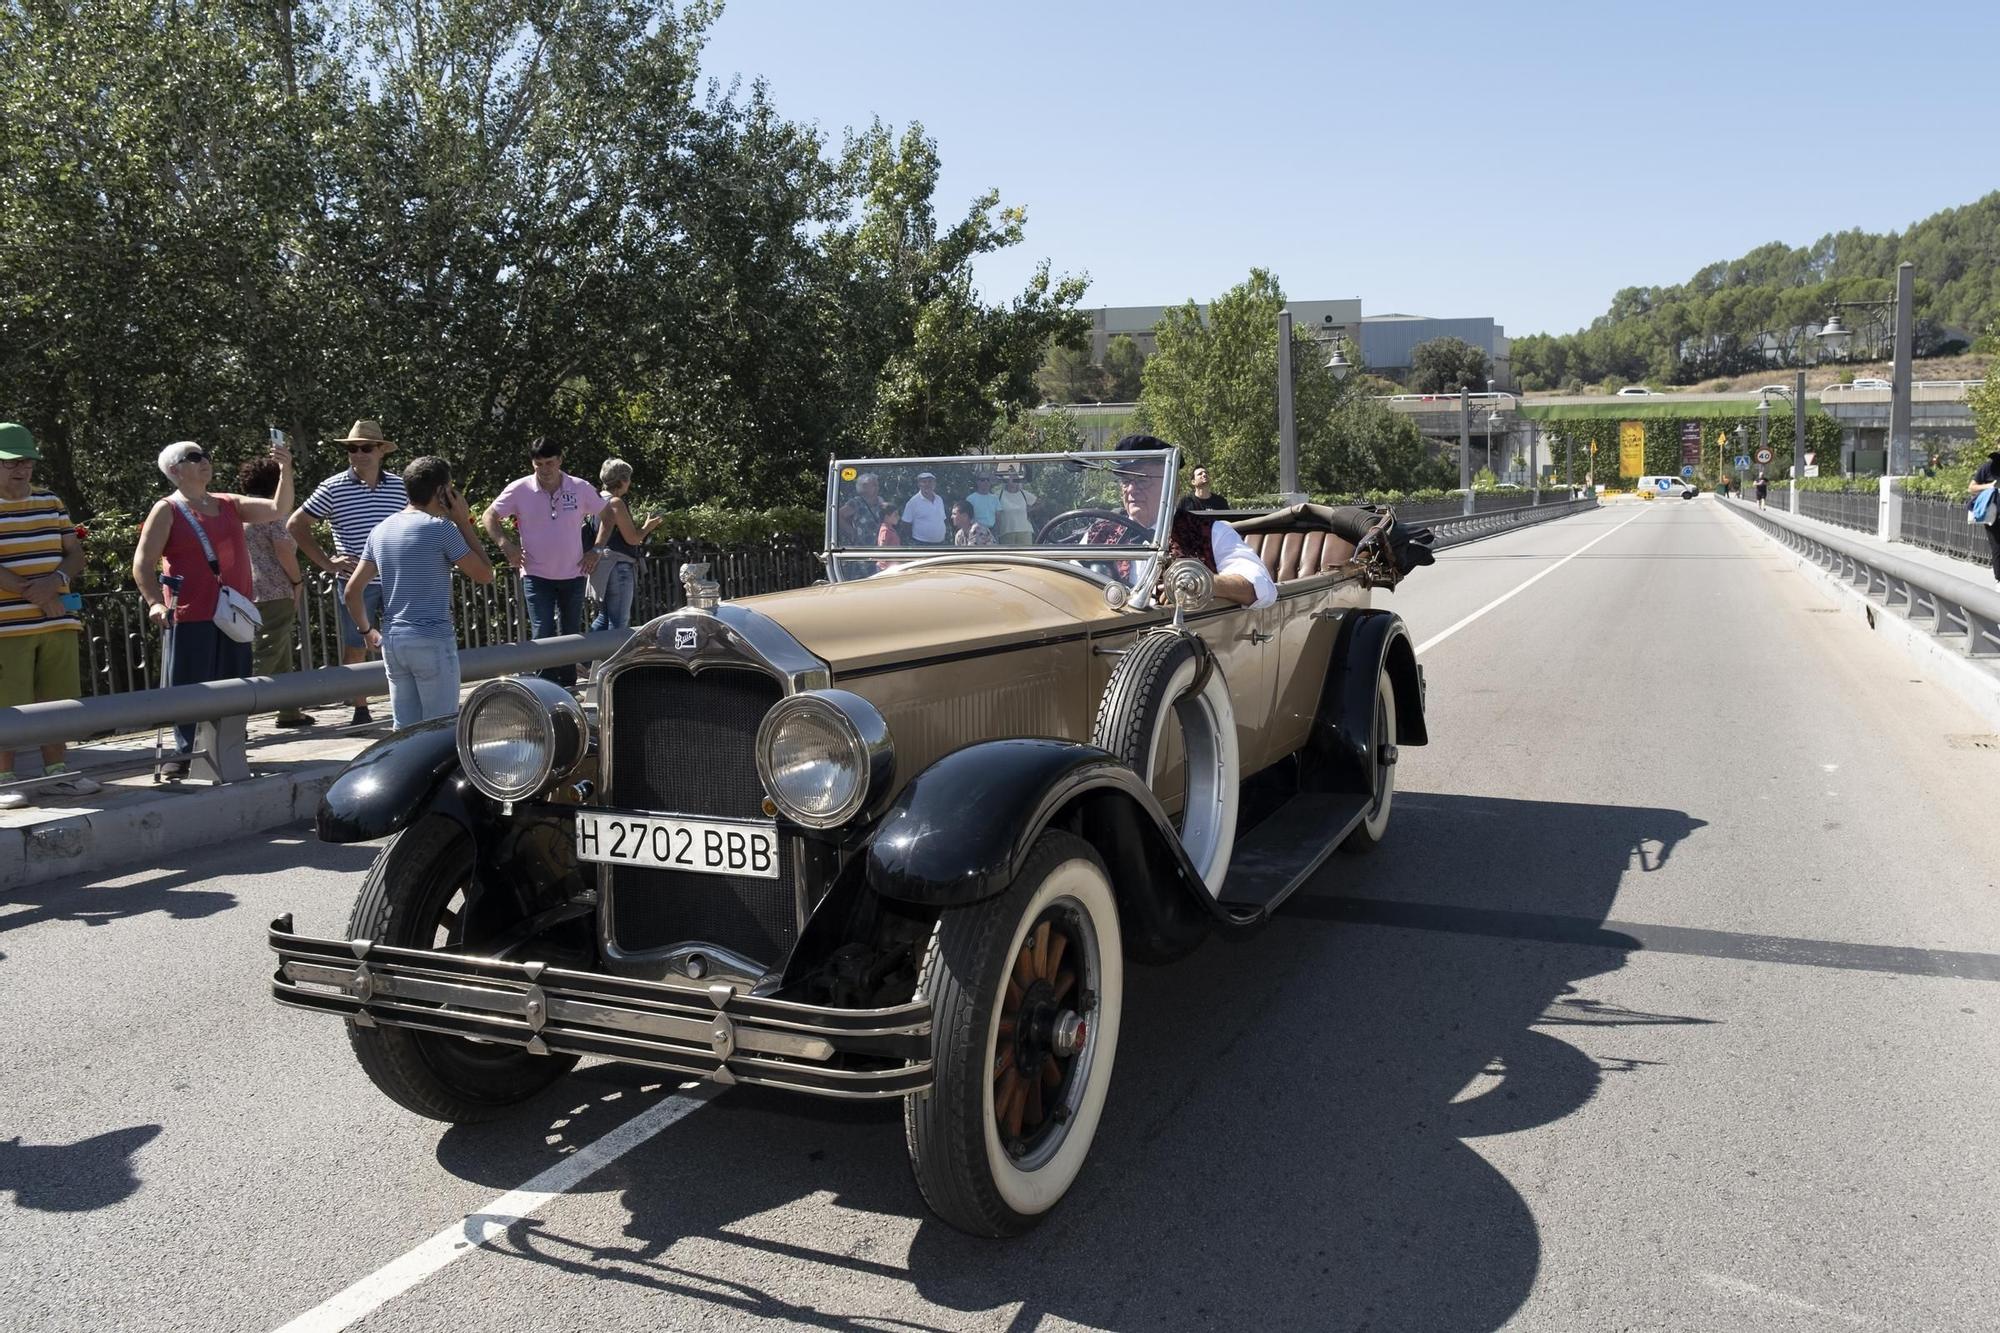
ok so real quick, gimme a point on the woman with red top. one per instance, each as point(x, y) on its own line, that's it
point(201, 652)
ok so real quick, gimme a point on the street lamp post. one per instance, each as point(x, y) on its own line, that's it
point(1836, 336)
point(1288, 426)
point(1465, 445)
point(1798, 396)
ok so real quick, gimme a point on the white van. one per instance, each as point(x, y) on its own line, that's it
point(1664, 488)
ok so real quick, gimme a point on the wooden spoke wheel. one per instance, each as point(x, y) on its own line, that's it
point(1026, 991)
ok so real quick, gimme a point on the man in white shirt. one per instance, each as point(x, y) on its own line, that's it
point(1240, 577)
point(925, 513)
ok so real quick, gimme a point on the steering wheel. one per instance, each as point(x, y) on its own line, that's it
point(1126, 525)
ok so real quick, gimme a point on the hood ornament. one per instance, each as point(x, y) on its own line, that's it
point(702, 591)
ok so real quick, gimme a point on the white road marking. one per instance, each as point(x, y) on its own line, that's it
point(491, 1222)
point(1739, 1287)
point(1516, 591)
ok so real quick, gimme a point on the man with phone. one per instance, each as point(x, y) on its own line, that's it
point(414, 553)
point(40, 555)
point(353, 502)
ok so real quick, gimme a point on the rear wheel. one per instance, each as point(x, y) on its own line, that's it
point(1026, 993)
point(1374, 825)
point(415, 898)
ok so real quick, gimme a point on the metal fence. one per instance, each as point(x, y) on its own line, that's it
point(1939, 525)
point(1459, 528)
point(121, 652)
point(1843, 509)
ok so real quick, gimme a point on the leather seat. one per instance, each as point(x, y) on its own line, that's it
point(1299, 555)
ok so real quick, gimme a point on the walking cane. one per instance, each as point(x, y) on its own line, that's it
point(170, 587)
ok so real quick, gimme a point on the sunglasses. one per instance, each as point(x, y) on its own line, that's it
point(196, 457)
point(360, 448)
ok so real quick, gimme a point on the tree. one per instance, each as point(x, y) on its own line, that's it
point(1124, 369)
point(1067, 376)
point(1442, 365)
point(1212, 388)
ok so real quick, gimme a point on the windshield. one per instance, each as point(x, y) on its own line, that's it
point(1084, 508)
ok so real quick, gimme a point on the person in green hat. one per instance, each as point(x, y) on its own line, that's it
point(40, 555)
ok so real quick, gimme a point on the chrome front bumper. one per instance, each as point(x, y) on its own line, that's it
point(713, 1032)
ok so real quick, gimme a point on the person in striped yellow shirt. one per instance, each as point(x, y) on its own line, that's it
point(39, 556)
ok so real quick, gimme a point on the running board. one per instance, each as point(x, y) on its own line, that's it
point(1281, 853)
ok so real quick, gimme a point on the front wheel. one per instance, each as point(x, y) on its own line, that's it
point(415, 897)
point(1026, 992)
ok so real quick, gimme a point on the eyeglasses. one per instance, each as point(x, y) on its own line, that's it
point(360, 448)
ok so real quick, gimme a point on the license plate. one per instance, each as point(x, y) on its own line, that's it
point(705, 846)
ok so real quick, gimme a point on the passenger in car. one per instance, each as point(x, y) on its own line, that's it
point(1240, 576)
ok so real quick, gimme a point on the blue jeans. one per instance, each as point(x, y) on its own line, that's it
point(555, 607)
point(614, 611)
point(423, 677)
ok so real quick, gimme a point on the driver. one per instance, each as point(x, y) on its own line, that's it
point(1240, 577)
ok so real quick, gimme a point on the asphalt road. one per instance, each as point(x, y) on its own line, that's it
point(1669, 1004)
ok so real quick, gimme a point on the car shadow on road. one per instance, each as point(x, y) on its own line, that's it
point(1286, 1142)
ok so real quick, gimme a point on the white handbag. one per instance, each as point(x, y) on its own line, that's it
point(235, 615)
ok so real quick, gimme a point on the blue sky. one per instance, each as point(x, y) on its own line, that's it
point(1523, 161)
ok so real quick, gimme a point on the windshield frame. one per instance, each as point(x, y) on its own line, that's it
point(1151, 551)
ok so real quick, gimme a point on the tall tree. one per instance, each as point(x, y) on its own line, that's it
point(1442, 365)
point(1124, 369)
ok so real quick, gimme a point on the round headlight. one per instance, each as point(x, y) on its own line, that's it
point(823, 755)
point(518, 734)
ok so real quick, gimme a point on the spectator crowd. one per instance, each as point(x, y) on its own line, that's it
point(223, 575)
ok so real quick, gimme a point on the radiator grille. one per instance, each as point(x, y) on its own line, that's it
point(686, 745)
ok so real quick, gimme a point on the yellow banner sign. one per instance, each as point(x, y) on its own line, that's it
point(1631, 448)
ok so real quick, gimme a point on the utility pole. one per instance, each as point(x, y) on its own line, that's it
point(1899, 382)
point(1465, 445)
point(1288, 426)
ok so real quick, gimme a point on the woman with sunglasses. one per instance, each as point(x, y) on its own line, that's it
point(201, 651)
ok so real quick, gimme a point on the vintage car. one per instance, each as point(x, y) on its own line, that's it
point(895, 835)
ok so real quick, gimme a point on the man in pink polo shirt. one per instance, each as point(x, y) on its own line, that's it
point(548, 507)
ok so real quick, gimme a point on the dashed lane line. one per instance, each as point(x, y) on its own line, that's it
point(481, 1228)
point(1522, 587)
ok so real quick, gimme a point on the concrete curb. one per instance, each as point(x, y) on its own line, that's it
point(1971, 680)
point(178, 818)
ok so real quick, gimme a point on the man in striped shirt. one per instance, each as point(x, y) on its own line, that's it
point(353, 502)
point(39, 556)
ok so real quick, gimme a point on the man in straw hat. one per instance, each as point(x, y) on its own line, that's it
point(353, 502)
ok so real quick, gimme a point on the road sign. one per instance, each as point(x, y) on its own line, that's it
point(1763, 455)
point(1809, 460)
point(1687, 469)
point(1742, 461)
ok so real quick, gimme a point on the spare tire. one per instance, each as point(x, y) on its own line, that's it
point(1171, 676)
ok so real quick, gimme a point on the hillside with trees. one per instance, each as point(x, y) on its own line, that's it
point(1759, 312)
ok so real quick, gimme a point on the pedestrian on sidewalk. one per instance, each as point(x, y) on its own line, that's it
point(276, 582)
point(199, 534)
point(40, 556)
point(1763, 489)
point(618, 542)
point(1987, 478)
point(412, 554)
point(548, 507)
point(352, 502)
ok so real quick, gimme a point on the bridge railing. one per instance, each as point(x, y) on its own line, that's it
point(1950, 607)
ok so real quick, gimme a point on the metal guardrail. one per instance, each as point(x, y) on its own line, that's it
point(221, 709)
point(1948, 606)
point(1471, 527)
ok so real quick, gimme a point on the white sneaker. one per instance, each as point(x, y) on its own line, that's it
point(13, 800)
point(70, 784)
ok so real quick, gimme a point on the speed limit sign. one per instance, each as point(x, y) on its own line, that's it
point(1763, 455)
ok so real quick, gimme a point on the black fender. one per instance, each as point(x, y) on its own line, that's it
point(396, 781)
point(962, 828)
point(1343, 736)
